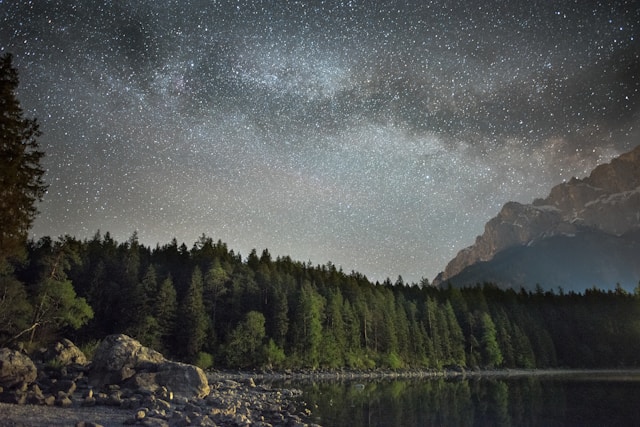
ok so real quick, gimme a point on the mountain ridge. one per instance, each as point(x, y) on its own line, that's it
point(606, 203)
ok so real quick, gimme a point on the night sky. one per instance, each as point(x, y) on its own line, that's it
point(380, 136)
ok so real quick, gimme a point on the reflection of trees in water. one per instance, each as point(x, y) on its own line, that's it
point(438, 402)
point(584, 400)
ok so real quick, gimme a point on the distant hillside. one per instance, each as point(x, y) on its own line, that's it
point(585, 233)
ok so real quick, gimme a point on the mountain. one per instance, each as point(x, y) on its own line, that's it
point(585, 233)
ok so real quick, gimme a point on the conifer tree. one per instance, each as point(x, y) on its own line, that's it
point(164, 310)
point(144, 326)
point(214, 288)
point(21, 187)
point(491, 354)
point(21, 184)
point(307, 330)
point(192, 319)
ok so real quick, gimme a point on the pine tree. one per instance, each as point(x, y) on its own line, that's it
point(21, 187)
point(193, 321)
point(307, 327)
point(491, 354)
point(456, 337)
point(164, 310)
point(144, 326)
point(334, 341)
point(21, 184)
point(214, 288)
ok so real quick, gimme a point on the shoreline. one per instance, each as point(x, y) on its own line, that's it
point(304, 375)
point(240, 388)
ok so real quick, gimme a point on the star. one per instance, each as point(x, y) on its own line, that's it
point(380, 137)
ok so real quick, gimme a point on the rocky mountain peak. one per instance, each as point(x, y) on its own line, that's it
point(608, 200)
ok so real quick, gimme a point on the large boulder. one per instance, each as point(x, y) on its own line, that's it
point(16, 369)
point(183, 379)
point(119, 357)
point(65, 353)
point(122, 360)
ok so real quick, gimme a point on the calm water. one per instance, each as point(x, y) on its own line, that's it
point(569, 400)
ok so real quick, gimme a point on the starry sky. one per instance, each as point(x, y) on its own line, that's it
point(378, 135)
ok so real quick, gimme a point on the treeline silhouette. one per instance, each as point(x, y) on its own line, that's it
point(207, 305)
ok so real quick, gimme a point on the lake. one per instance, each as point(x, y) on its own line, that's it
point(576, 399)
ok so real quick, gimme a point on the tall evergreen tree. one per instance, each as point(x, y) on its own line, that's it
point(21, 183)
point(21, 187)
point(334, 340)
point(165, 311)
point(307, 330)
point(192, 319)
point(143, 325)
point(214, 288)
point(490, 350)
point(456, 337)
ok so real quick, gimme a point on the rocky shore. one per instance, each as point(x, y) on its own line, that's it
point(128, 384)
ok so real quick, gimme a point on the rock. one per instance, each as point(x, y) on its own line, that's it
point(62, 399)
point(202, 421)
point(145, 382)
point(155, 422)
point(87, 424)
point(35, 395)
point(118, 357)
point(65, 353)
point(89, 401)
point(66, 386)
point(114, 399)
point(50, 400)
point(141, 413)
point(165, 393)
point(183, 380)
point(122, 360)
point(16, 369)
point(171, 378)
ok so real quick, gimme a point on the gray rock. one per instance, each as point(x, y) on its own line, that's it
point(155, 422)
point(67, 386)
point(65, 353)
point(183, 380)
point(63, 400)
point(118, 357)
point(16, 369)
point(87, 424)
point(122, 360)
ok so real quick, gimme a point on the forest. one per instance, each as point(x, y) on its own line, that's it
point(210, 306)
point(213, 307)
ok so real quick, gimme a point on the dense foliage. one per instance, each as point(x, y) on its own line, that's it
point(210, 305)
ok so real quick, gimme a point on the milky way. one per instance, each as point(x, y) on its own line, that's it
point(380, 136)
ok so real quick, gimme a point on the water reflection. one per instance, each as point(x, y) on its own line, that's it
point(500, 401)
